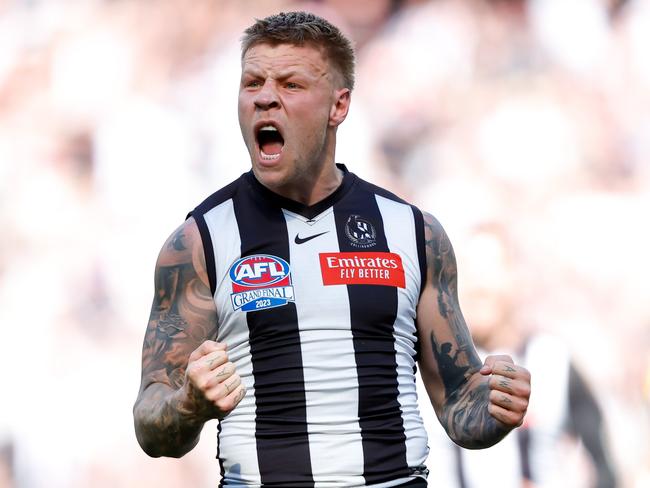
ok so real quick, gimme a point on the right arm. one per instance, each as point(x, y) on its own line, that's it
point(477, 403)
point(186, 377)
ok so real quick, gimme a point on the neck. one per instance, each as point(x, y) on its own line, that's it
point(311, 188)
point(311, 182)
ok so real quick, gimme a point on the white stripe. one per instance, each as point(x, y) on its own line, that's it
point(330, 373)
point(237, 446)
point(399, 228)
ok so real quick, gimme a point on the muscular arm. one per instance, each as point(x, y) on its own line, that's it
point(449, 364)
point(183, 315)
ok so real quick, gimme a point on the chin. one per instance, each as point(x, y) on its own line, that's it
point(270, 176)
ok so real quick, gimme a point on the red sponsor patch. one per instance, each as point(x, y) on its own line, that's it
point(362, 268)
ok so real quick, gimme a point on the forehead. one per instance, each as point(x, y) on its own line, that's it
point(283, 57)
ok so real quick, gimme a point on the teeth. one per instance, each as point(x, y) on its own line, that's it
point(269, 157)
point(268, 127)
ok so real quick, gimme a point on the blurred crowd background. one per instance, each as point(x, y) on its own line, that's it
point(523, 125)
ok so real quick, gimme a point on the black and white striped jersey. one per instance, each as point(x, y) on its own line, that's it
point(317, 306)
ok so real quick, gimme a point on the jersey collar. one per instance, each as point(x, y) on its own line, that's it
point(267, 196)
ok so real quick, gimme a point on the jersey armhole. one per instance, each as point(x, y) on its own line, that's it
point(208, 248)
point(421, 246)
point(422, 261)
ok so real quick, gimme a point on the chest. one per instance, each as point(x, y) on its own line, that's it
point(350, 267)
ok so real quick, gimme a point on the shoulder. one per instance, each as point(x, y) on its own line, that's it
point(194, 239)
point(184, 248)
point(433, 229)
point(440, 256)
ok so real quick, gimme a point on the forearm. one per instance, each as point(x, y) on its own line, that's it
point(163, 425)
point(466, 418)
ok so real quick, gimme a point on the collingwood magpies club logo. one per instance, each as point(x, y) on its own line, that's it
point(361, 232)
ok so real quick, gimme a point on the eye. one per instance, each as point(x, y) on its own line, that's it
point(252, 84)
point(292, 85)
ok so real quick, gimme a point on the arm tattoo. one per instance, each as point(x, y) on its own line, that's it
point(182, 317)
point(465, 413)
point(177, 241)
point(468, 421)
point(441, 263)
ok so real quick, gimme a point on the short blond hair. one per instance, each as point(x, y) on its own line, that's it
point(300, 28)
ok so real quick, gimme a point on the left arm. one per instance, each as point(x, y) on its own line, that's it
point(476, 403)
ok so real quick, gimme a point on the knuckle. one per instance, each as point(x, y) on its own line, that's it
point(193, 372)
point(201, 383)
point(224, 404)
point(511, 418)
point(493, 396)
point(212, 395)
point(492, 409)
point(523, 390)
point(495, 382)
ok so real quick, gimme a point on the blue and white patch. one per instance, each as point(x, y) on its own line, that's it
point(259, 282)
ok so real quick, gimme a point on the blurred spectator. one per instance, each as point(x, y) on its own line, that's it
point(563, 442)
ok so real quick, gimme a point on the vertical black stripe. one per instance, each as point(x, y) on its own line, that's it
point(373, 310)
point(422, 261)
point(198, 213)
point(420, 243)
point(281, 414)
point(208, 250)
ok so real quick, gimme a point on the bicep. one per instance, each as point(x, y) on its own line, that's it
point(447, 355)
point(183, 313)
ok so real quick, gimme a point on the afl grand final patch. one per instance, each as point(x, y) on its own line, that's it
point(259, 282)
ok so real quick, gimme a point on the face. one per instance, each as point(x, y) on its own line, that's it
point(289, 107)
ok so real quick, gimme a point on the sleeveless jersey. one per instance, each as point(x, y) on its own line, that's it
point(317, 307)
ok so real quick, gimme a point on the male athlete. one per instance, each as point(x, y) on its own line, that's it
point(293, 304)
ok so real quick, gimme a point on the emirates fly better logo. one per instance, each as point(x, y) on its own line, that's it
point(362, 268)
point(260, 281)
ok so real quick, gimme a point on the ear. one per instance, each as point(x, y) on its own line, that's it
point(340, 107)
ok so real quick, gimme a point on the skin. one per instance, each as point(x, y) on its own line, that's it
point(295, 89)
point(477, 403)
point(187, 378)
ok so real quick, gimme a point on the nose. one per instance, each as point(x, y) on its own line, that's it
point(266, 98)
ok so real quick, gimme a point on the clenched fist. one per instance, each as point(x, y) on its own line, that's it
point(212, 387)
point(509, 389)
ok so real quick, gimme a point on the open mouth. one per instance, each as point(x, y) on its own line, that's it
point(270, 142)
